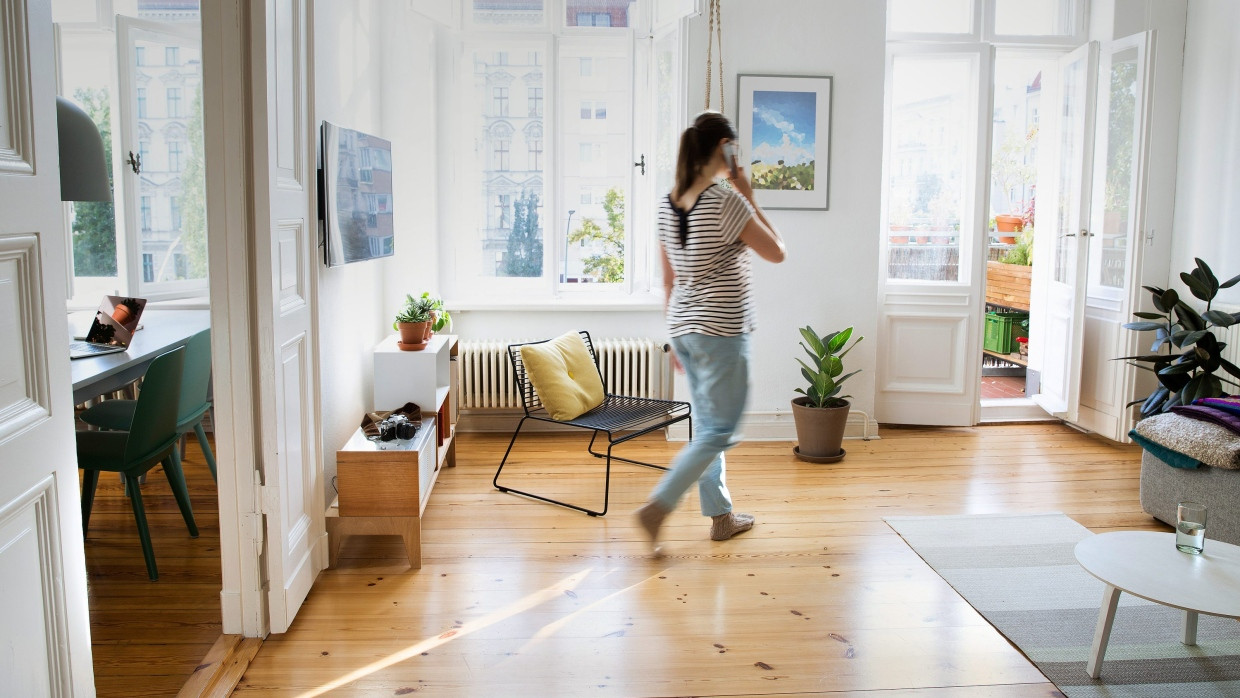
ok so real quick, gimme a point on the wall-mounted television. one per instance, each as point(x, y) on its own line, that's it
point(355, 202)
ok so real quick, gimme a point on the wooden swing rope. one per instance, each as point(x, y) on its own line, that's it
point(714, 32)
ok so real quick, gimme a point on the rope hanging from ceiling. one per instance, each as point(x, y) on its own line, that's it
point(714, 33)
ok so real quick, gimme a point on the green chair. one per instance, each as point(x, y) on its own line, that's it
point(195, 383)
point(151, 439)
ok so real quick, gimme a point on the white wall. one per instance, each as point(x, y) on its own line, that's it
point(830, 278)
point(1207, 200)
point(366, 55)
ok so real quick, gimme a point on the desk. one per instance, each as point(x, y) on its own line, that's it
point(163, 330)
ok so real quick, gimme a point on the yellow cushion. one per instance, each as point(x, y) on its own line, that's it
point(564, 376)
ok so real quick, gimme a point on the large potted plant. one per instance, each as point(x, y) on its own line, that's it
point(821, 413)
point(413, 322)
point(1193, 356)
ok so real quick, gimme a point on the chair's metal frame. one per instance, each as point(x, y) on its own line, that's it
point(620, 417)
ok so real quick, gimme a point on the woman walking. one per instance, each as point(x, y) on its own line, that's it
point(705, 234)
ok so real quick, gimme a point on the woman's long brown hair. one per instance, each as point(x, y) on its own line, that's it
point(697, 145)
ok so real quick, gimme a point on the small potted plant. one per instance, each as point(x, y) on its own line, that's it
point(413, 321)
point(440, 318)
point(822, 413)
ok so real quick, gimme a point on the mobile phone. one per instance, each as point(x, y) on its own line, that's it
point(732, 154)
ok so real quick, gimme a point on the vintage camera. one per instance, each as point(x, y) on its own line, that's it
point(397, 426)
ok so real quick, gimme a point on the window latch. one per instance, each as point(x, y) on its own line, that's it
point(642, 164)
point(135, 162)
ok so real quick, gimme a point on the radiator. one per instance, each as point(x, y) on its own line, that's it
point(634, 367)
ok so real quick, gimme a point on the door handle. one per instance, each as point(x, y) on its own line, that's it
point(1086, 234)
point(135, 162)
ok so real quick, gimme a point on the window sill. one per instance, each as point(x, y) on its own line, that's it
point(639, 303)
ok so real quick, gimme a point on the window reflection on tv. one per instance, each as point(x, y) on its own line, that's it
point(357, 195)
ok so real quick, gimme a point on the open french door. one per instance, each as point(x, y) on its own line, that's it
point(1089, 290)
point(44, 622)
point(938, 135)
point(285, 241)
point(1057, 303)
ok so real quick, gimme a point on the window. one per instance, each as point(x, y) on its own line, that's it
point(501, 155)
point(146, 214)
point(536, 152)
point(139, 55)
point(172, 55)
point(141, 95)
point(501, 58)
point(174, 212)
point(180, 265)
point(506, 14)
point(930, 16)
point(174, 102)
point(535, 97)
point(148, 267)
point(551, 208)
point(174, 156)
point(144, 151)
point(596, 13)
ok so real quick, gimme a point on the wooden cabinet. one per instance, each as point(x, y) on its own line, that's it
point(383, 487)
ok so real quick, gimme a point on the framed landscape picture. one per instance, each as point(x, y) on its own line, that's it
point(785, 132)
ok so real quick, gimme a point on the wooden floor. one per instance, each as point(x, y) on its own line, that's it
point(146, 636)
point(520, 597)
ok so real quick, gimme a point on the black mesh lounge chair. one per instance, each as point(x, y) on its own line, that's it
point(620, 418)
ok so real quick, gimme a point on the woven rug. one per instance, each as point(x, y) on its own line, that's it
point(1020, 573)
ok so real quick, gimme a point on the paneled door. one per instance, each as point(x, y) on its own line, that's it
point(935, 232)
point(44, 624)
point(285, 243)
point(1057, 303)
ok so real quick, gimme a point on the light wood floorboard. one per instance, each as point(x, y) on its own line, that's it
point(520, 597)
point(148, 637)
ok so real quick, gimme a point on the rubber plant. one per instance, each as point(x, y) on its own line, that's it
point(827, 354)
point(1188, 368)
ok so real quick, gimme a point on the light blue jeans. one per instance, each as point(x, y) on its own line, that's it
point(718, 373)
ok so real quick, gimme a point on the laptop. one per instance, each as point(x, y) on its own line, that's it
point(113, 328)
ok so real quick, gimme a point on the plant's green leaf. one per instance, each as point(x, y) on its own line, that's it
point(834, 366)
point(1196, 286)
point(1191, 338)
point(1220, 318)
point(1152, 358)
point(839, 340)
point(1154, 402)
point(1154, 290)
point(1181, 367)
point(1208, 353)
point(1211, 387)
point(840, 381)
point(855, 343)
point(1144, 326)
point(809, 375)
point(812, 339)
point(1206, 274)
point(1174, 382)
point(1230, 282)
point(1151, 316)
point(814, 357)
point(1193, 389)
point(1167, 300)
point(1230, 367)
point(1189, 317)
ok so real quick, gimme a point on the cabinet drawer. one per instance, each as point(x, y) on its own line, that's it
point(385, 478)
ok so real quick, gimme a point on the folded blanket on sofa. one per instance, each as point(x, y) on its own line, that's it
point(1207, 442)
point(1174, 459)
point(1206, 413)
point(1226, 404)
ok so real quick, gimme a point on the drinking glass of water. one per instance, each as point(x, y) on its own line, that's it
point(1190, 527)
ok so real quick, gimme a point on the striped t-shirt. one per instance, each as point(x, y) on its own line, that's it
point(711, 291)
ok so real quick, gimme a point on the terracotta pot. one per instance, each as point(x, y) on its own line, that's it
point(1007, 239)
point(121, 314)
point(1007, 223)
point(899, 239)
point(820, 430)
point(923, 239)
point(413, 335)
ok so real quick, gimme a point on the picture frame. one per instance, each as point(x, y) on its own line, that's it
point(784, 123)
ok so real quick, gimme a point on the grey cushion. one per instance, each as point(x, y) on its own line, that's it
point(1162, 487)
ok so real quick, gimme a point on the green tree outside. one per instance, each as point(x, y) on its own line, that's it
point(94, 222)
point(608, 265)
point(525, 247)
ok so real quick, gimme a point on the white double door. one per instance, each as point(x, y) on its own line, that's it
point(1086, 263)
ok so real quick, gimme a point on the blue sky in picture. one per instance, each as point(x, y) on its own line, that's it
point(783, 127)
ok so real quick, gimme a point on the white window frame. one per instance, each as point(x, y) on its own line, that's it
point(461, 282)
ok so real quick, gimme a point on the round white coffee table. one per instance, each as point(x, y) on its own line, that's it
point(1147, 564)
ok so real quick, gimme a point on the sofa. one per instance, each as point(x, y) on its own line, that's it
point(1163, 486)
